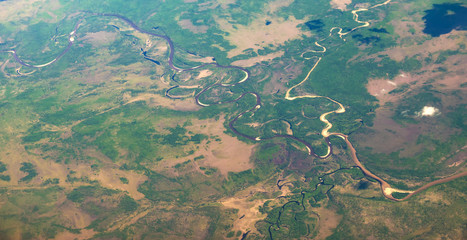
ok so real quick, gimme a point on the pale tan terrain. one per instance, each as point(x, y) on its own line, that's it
point(340, 4)
point(73, 217)
point(110, 178)
point(229, 154)
point(385, 127)
point(16, 10)
point(328, 221)
point(16, 154)
point(255, 60)
point(84, 234)
point(273, 6)
point(257, 35)
point(248, 212)
point(188, 104)
point(414, 43)
point(248, 209)
point(444, 42)
point(204, 73)
point(101, 38)
point(380, 88)
point(187, 24)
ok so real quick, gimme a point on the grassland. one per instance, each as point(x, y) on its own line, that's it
point(91, 147)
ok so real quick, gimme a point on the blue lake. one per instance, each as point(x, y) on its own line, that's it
point(444, 18)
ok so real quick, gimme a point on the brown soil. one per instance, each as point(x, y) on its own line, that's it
point(328, 221)
point(101, 38)
point(204, 73)
point(110, 178)
point(409, 28)
point(280, 79)
point(223, 152)
point(248, 209)
point(380, 88)
point(405, 136)
point(175, 104)
point(73, 217)
point(132, 218)
point(340, 4)
point(2, 92)
point(98, 70)
point(187, 24)
point(385, 128)
point(272, 7)
point(15, 154)
point(254, 60)
point(229, 154)
point(84, 234)
point(257, 35)
point(455, 74)
point(248, 213)
point(444, 42)
point(23, 9)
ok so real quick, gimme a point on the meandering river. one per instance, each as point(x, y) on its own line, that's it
point(386, 188)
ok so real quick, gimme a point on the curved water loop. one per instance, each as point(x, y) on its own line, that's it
point(71, 40)
point(385, 187)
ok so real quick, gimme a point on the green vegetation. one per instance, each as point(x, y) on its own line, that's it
point(5, 178)
point(3, 168)
point(230, 234)
point(399, 195)
point(51, 181)
point(79, 194)
point(415, 213)
point(31, 211)
point(128, 204)
point(30, 169)
point(124, 180)
point(102, 108)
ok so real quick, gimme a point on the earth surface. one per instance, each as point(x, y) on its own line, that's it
point(228, 119)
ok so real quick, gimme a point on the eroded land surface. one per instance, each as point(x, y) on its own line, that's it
point(228, 119)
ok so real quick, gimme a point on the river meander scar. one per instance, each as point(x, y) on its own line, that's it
point(386, 188)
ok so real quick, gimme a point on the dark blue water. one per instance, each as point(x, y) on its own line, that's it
point(363, 185)
point(152, 60)
point(315, 25)
point(379, 30)
point(444, 18)
point(366, 40)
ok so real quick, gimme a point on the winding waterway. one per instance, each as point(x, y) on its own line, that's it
point(385, 187)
